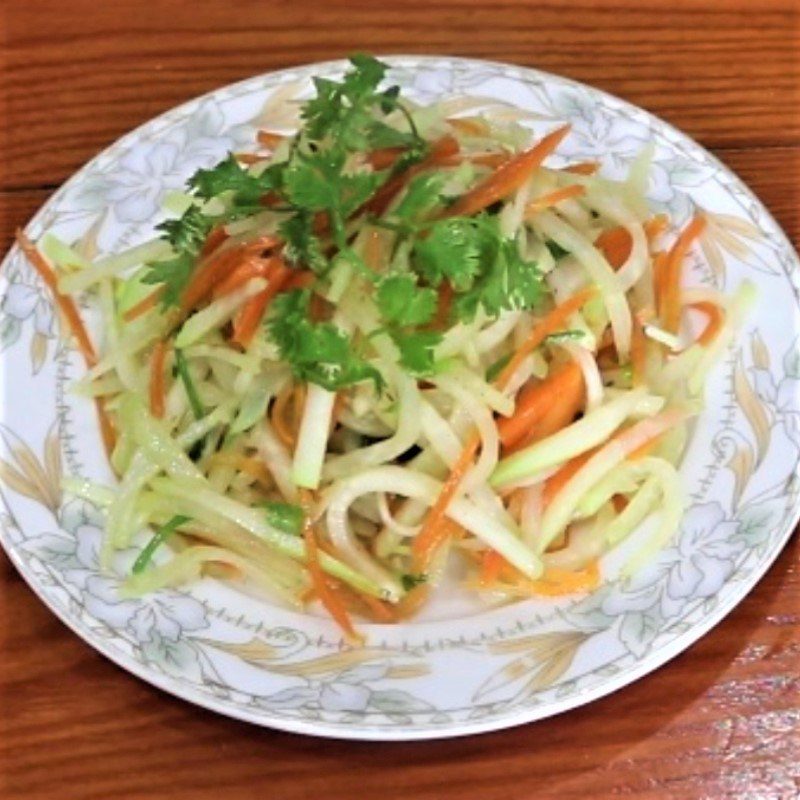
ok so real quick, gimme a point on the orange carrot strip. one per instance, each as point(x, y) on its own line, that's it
point(217, 266)
point(491, 565)
point(557, 582)
point(269, 139)
point(440, 150)
point(384, 158)
point(671, 309)
point(216, 236)
point(324, 590)
point(65, 303)
point(250, 158)
point(616, 243)
point(536, 399)
point(553, 198)
point(143, 306)
point(444, 302)
point(299, 279)
point(278, 416)
point(716, 319)
point(556, 482)
point(252, 268)
point(433, 533)
point(509, 177)
point(550, 323)
point(249, 318)
point(73, 318)
point(582, 168)
point(157, 379)
point(492, 160)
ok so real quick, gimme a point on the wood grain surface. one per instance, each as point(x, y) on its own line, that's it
point(720, 721)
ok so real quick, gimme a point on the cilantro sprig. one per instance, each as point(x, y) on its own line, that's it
point(318, 352)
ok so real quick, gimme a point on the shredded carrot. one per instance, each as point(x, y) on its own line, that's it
point(157, 379)
point(374, 249)
point(69, 311)
point(216, 236)
point(411, 602)
point(536, 399)
point(433, 533)
point(556, 482)
point(491, 566)
point(550, 323)
point(217, 266)
point(298, 405)
point(250, 158)
point(557, 582)
point(615, 243)
point(144, 305)
point(553, 198)
point(582, 168)
point(246, 271)
point(299, 279)
point(671, 307)
point(278, 416)
point(384, 158)
point(716, 319)
point(440, 150)
point(444, 303)
point(620, 503)
point(509, 177)
point(324, 590)
point(249, 318)
point(471, 126)
point(270, 139)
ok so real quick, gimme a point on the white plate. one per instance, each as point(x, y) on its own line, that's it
point(456, 674)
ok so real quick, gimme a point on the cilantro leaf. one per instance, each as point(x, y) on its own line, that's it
point(402, 302)
point(317, 352)
point(174, 274)
point(416, 349)
point(512, 284)
point(454, 249)
point(302, 244)
point(189, 231)
point(285, 517)
point(230, 176)
point(422, 195)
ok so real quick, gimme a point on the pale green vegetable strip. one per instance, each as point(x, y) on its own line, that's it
point(154, 250)
point(312, 439)
point(254, 521)
point(583, 435)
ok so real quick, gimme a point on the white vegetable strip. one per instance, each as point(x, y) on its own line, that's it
point(312, 439)
point(107, 267)
point(217, 313)
point(399, 480)
point(487, 429)
point(276, 458)
point(406, 435)
point(600, 272)
point(560, 509)
point(592, 380)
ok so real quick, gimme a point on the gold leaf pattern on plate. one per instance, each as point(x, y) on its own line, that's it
point(742, 464)
point(752, 408)
point(38, 351)
point(545, 658)
point(26, 475)
point(759, 351)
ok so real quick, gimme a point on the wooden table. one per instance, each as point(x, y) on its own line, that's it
point(721, 721)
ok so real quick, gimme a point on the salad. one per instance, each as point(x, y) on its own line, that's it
point(393, 340)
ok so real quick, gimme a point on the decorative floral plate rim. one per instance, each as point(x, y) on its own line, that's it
point(514, 666)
